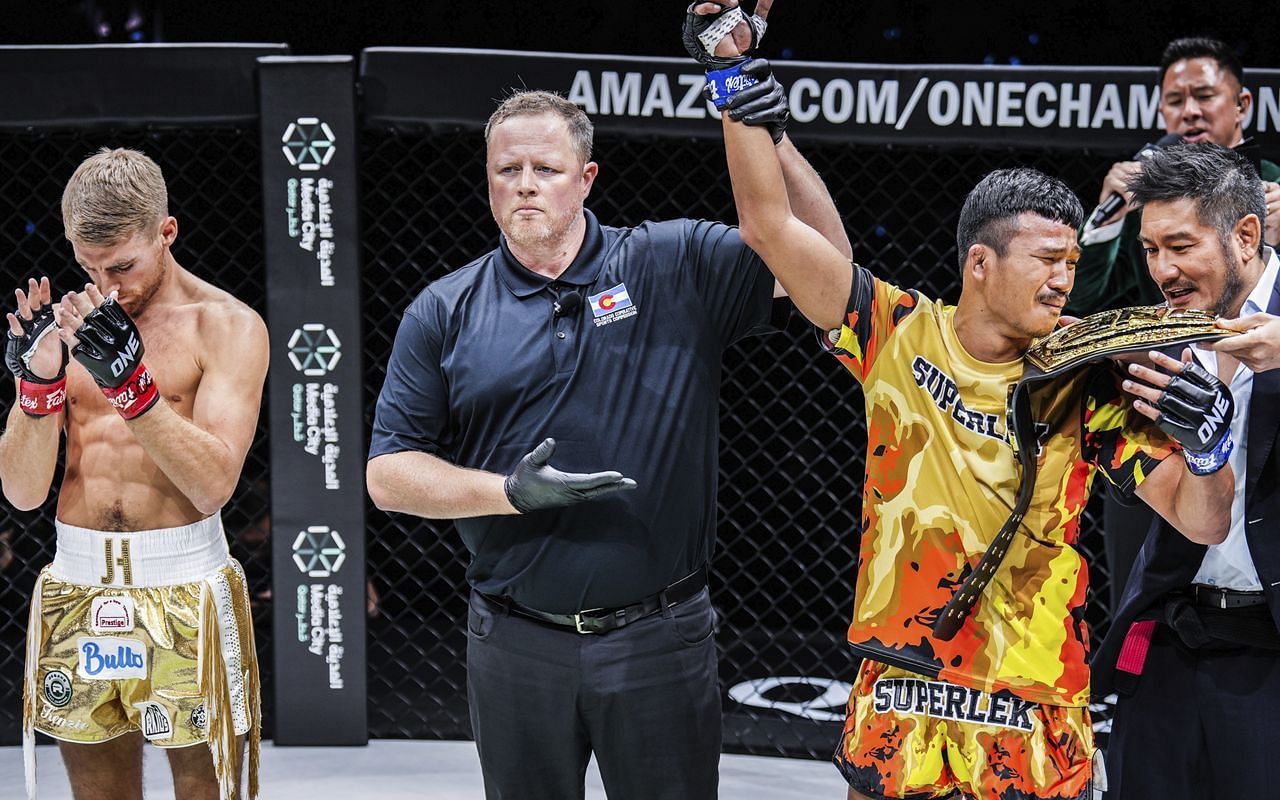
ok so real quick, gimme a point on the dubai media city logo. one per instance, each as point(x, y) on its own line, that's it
point(319, 551)
point(314, 350)
point(308, 143)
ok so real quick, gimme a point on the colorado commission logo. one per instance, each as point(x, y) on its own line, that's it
point(314, 350)
point(308, 143)
point(319, 551)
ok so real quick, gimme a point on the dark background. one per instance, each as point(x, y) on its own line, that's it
point(1128, 33)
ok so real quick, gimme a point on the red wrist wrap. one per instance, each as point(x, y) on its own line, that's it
point(42, 399)
point(135, 395)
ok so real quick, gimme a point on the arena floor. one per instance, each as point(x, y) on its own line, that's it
point(415, 770)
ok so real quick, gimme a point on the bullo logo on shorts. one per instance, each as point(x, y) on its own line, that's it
point(308, 143)
point(111, 614)
point(199, 717)
point(57, 688)
point(319, 552)
point(111, 658)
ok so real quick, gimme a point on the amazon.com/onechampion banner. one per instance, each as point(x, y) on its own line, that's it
point(1069, 108)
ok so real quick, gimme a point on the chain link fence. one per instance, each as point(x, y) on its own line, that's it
point(792, 435)
point(792, 428)
point(215, 192)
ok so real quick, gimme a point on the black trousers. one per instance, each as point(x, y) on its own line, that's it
point(1201, 724)
point(644, 698)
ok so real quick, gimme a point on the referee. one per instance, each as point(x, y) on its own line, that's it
point(580, 347)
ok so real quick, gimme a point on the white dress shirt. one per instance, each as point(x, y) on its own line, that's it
point(1229, 565)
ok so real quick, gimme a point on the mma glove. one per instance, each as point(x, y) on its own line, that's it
point(728, 77)
point(1196, 409)
point(111, 350)
point(37, 396)
point(535, 484)
point(702, 32)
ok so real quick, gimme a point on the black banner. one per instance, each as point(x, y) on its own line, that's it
point(309, 161)
point(130, 84)
point(1105, 109)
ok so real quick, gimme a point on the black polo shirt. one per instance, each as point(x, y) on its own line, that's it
point(482, 370)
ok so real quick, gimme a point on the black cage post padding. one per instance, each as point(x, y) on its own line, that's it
point(311, 210)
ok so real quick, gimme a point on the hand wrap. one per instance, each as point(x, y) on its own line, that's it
point(37, 396)
point(111, 350)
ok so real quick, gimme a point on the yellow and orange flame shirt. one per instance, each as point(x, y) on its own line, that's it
point(942, 478)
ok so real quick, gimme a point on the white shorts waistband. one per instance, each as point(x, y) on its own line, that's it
point(136, 559)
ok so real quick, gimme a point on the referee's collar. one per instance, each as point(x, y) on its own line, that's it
point(584, 270)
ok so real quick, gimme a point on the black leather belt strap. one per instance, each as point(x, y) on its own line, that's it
point(603, 620)
point(1213, 597)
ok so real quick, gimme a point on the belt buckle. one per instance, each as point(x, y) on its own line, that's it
point(579, 617)
point(1223, 602)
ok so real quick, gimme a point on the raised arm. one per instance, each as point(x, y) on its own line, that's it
point(714, 40)
point(816, 274)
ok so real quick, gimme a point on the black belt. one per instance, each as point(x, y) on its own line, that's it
point(1213, 597)
point(603, 620)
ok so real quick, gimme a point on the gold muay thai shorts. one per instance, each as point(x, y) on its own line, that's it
point(907, 735)
point(145, 631)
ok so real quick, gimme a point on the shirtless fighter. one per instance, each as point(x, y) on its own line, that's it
point(140, 627)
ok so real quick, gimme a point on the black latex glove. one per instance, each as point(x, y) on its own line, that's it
point(764, 103)
point(535, 484)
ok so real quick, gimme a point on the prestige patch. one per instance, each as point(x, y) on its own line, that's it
point(949, 701)
point(156, 723)
point(612, 305)
point(111, 614)
point(111, 658)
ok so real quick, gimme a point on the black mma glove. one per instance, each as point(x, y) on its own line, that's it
point(702, 32)
point(111, 350)
point(37, 396)
point(1196, 410)
point(534, 484)
point(763, 103)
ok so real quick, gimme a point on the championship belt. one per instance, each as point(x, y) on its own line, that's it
point(1088, 341)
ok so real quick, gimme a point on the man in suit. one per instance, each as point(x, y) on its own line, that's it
point(1194, 650)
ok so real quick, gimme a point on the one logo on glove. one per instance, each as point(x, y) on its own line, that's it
point(1213, 421)
point(126, 356)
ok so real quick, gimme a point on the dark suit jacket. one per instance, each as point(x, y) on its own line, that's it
point(1169, 561)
